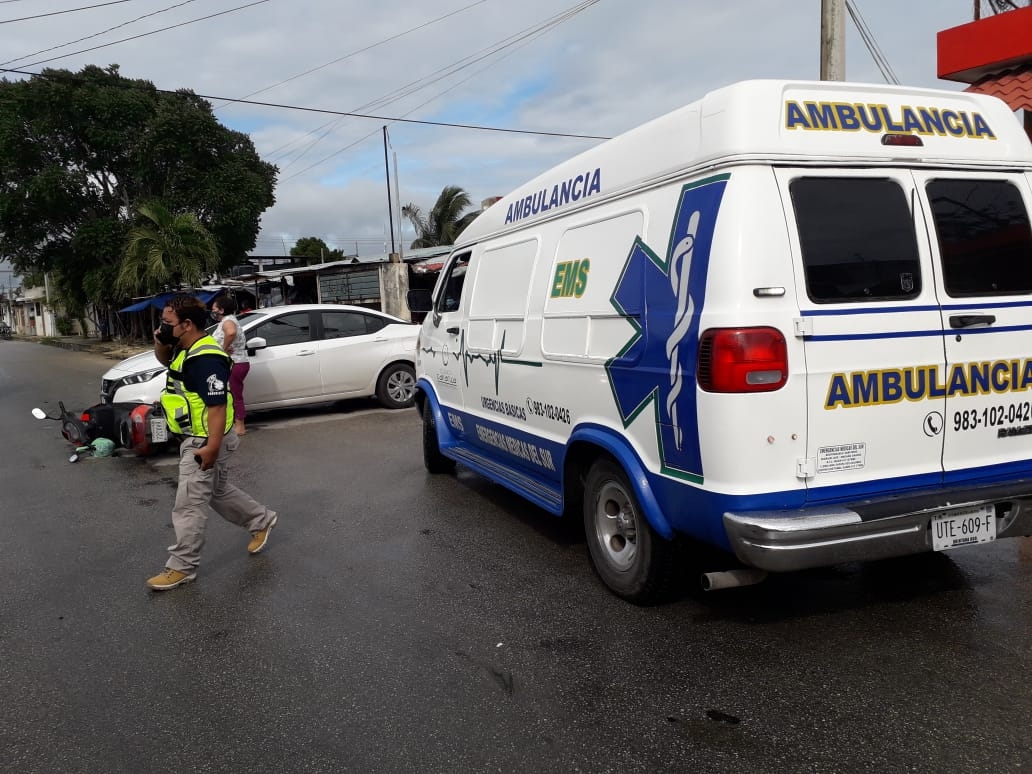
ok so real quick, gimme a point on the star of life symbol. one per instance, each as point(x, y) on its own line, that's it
point(215, 385)
point(657, 365)
point(680, 262)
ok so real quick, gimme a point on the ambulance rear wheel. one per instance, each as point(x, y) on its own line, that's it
point(433, 460)
point(628, 555)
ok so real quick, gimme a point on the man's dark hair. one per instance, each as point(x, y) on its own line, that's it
point(188, 307)
point(226, 303)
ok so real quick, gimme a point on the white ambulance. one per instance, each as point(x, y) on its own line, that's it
point(792, 320)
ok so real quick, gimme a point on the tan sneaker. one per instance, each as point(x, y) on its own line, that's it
point(261, 537)
point(169, 579)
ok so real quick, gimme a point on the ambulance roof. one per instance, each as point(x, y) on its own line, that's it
point(778, 122)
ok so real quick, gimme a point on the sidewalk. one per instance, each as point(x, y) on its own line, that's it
point(113, 350)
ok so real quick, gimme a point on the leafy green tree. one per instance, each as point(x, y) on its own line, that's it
point(165, 250)
point(315, 250)
point(81, 152)
point(445, 221)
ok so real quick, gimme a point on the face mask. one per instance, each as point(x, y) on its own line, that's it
point(165, 334)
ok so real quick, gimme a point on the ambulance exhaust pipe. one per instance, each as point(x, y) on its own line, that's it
point(729, 579)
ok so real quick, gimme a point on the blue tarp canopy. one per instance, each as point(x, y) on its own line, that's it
point(158, 302)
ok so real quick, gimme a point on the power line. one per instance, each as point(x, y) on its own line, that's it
point(515, 41)
point(361, 50)
point(401, 120)
point(410, 88)
point(523, 36)
point(330, 125)
point(58, 13)
point(95, 34)
point(518, 40)
point(872, 45)
point(327, 111)
point(145, 34)
point(426, 102)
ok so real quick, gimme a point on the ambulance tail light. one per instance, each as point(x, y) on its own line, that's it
point(907, 140)
point(742, 360)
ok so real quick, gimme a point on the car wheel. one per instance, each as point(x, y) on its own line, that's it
point(628, 555)
point(396, 386)
point(434, 461)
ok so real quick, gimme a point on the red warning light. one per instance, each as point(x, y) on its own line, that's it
point(908, 140)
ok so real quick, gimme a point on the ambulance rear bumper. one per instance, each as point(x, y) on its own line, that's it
point(781, 541)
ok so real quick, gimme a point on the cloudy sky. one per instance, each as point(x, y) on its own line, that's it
point(590, 68)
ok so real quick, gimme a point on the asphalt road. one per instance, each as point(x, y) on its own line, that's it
point(400, 622)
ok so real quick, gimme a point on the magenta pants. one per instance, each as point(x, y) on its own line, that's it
point(236, 389)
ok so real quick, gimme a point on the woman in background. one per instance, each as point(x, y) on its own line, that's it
point(231, 339)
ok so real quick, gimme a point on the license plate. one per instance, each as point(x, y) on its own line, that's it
point(964, 528)
point(158, 430)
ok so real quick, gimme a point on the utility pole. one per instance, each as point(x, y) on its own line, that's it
point(833, 40)
point(397, 203)
point(390, 207)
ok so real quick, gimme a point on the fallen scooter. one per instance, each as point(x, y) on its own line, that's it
point(138, 427)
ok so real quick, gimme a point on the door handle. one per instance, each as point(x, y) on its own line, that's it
point(306, 352)
point(454, 330)
point(969, 320)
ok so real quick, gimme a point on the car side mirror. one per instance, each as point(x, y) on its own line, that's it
point(253, 345)
point(420, 301)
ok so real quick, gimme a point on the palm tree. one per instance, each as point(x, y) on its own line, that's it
point(165, 250)
point(445, 221)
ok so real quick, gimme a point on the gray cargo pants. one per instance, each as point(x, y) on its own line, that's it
point(200, 488)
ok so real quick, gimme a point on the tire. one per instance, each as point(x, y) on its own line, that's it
point(396, 387)
point(434, 461)
point(634, 561)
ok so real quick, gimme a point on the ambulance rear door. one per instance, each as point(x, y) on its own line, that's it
point(979, 229)
point(871, 329)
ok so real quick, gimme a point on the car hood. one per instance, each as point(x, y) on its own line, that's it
point(145, 361)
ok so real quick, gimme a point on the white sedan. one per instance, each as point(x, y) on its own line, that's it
point(301, 353)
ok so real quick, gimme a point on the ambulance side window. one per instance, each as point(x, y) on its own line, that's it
point(984, 236)
point(857, 239)
point(451, 286)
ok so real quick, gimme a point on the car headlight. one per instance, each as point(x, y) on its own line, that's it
point(139, 378)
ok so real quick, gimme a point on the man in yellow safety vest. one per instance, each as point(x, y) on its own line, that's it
point(199, 409)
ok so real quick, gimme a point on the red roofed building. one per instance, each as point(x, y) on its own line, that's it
point(994, 55)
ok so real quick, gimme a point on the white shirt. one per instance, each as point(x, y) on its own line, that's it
point(238, 350)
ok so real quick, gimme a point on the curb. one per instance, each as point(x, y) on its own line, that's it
point(105, 349)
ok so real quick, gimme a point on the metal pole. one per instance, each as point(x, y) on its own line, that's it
point(386, 166)
point(397, 203)
point(833, 40)
point(46, 307)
